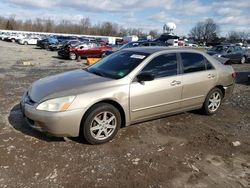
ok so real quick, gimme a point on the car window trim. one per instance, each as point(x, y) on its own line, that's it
point(182, 67)
point(177, 61)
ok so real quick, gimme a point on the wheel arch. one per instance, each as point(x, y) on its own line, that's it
point(221, 88)
point(107, 101)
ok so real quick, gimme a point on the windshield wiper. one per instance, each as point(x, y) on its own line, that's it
point(95, 72)
point(98, 73)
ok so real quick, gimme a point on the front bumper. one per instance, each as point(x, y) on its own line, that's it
point(58, 124)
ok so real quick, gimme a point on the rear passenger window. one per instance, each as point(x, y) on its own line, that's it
point(209, 66)
point(192, 62)
point(162, 66)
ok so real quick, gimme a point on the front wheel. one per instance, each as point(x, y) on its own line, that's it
point(101, 123)
point(213, 101)
point(243, 60)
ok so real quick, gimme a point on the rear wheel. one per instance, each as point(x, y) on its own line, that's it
point(72, 56)
point(101, 123)
point(25, 43)
point(213, 101)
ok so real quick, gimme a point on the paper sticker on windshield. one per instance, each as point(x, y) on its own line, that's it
point(136, 56)
point(121, 74)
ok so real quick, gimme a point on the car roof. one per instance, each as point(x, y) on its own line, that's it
point(151, 50)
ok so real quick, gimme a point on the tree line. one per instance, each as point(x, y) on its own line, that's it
point(207, 32)
point(84, 27)
point(204, 32)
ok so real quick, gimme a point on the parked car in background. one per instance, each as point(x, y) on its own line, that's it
point(191, 45)
point(8, 36)
point(3, 35)
point(234, 53)
point(30, 41)
point(129, 86)
point(86, 49)
point(44, 43)
point(15, 37)
point(136, 44)
point(60, 45)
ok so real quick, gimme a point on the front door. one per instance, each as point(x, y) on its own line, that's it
point(159, 96)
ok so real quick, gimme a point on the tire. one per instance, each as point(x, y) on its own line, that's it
point(102, 55)
point(13, 40)
point(243, 60)
point(72, 56)
point(102, 131)
point(212, 102)
point(25, 43)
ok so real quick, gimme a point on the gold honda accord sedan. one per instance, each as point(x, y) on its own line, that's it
point(127, 87)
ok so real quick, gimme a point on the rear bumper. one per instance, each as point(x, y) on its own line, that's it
point(54, 123)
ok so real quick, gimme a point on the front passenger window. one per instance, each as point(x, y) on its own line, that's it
point(162, 66)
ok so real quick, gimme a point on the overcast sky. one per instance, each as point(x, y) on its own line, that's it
point(145, 14)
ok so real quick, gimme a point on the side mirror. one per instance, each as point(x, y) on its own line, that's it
point(142, 77)
point(81, 47)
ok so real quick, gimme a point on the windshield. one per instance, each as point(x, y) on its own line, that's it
point(117, 65)
point(218, 48)
point(124, 46)
point(129, 45)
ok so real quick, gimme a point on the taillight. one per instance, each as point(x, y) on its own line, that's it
point(234, 75)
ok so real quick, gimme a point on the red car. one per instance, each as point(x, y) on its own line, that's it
point(89, 49)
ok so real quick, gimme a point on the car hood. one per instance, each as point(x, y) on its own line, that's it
point(65, 84)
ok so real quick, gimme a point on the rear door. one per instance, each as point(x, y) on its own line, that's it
point(82, 50)
point(231, 54)
point(238, 53)
point(161, 95)
point(199, 77)
point(94, 50)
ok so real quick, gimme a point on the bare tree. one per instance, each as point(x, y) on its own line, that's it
point(238, 36)
point(205, 31)
point(153, 33)
point(11, 23)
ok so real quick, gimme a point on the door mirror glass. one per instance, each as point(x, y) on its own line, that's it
point(81, 47)
point(142, 77)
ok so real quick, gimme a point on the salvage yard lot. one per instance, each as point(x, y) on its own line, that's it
point(185, 150)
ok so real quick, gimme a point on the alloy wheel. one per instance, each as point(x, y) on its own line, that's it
point(72, 56)
point(214, 101)
point(103, 125)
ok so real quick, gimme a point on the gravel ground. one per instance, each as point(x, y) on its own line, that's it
point(184, 150)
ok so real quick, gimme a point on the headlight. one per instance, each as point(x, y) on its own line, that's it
point(217, 55)
point(56, 105)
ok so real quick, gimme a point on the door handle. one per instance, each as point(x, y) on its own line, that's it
point(211, 76)
point(175, 82)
